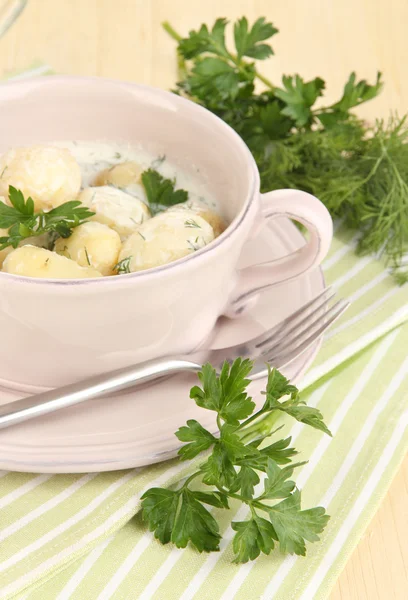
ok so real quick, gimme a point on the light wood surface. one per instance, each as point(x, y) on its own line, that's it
point(123, 39)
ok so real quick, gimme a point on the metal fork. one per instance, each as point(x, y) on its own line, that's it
point(278, 346)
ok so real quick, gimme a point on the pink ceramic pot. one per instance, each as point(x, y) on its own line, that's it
point(54, 332)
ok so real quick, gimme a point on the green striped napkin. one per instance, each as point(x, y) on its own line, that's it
point(81, 537)
point(36, 69)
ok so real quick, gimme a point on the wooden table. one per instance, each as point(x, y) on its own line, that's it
point(330, 38)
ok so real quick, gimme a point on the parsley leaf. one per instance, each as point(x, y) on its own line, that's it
point(194, 523)
point(210, 395)
point(217, 499)
point(196, 43)
point(246, 480)
point(253, 537)
point(354, 94)
point(225, 394)
point(65, 217)
point(19, 211)
point(279, 451)
point(204, 40)
point(219, 468)
point(278, 387)
point(357, 93)
point(180, 517)
point(274, 124)
point(299, 96)
point(161, 192)
point(232, 443)
point(237, 405)
point(293, 526)
point(305, 414)
point(22, 222)
point(247, 40)
point(159, 508)
point(214, 74)
point(277, 483)
point(198, 437)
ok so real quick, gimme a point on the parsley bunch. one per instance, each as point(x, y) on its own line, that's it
point(22, 222)
point(359, 171)
point(241, 466)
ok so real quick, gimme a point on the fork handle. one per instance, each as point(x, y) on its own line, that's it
point(86, 389)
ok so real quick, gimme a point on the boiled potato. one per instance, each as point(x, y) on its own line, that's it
point(117, 209)
point(165, 238)
point(51, 176)
point(201, 209)
point(40, 241)
point(31, 261)
point(92, 244)
point(121, 176)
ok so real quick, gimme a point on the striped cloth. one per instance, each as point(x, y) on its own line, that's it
point(81, 537)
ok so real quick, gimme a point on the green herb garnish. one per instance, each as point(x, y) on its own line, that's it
point(359, 171)
point(123, 266)
point(161, 192)
point(194, 246)
point(192, 224)
point(22, 222)
point(241, 466)
point(87, 256)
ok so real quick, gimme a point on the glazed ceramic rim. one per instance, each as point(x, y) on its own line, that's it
point(203, 253)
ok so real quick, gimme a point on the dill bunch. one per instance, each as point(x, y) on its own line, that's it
point(359, 173)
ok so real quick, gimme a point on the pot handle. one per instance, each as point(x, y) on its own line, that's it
point(299, 206)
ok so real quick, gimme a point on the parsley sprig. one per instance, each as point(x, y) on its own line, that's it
point(241, 466)
point(22, 222)
point(160, 191)
point(359, 171)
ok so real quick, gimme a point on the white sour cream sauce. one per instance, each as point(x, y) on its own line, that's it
point(94, 157)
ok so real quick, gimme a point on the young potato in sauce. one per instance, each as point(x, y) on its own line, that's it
point(92, 244)
point(51, 176)
point(122, 175)
point(165, 238)
point(201, 209)
point(31, 261)
point(117, 209)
